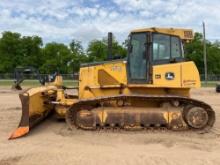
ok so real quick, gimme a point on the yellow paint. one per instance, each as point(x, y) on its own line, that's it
point(61, 110)
point(184, 74)
point(104, 116)
point(84, 113)
point(184, 34)
point(186, 77)
point(36, 98)
point(166, 116)
point(100, 115)
point(161, 70)
point(57, 82)
point(89, 77)
point(190, 76)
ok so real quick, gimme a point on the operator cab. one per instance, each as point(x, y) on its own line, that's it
point(150, 47)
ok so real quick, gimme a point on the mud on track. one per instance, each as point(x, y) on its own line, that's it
point(53, 143)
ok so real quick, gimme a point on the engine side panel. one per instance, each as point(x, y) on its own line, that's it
point(110, 78)
point(178, 75)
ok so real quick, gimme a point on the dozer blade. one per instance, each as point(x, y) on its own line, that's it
point(35, 108)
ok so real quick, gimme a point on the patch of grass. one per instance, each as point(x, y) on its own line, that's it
point(74, 83)
point(71, 83)
point(209, 83)
point(34, 83)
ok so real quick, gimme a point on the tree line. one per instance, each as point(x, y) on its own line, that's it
point(194, 52)
point(24, 51)
point(21, 51)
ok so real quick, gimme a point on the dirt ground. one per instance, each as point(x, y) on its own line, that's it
point(53, 143)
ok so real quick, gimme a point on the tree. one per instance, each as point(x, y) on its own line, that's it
point(19, 51)
point(78, 56)
point(194, 52)
point(10, 51)
point(32, 51)
point(98, 50)
point(56, 57)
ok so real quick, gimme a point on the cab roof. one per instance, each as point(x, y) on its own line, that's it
point(184, 34)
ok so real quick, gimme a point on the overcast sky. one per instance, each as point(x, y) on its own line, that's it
point(84, 20)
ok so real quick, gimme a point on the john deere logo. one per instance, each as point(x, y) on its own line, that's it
point(170, 76)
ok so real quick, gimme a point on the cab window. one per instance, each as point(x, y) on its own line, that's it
point(175, 47)
point(137, 57)
point(166, 47)
point(161, 47)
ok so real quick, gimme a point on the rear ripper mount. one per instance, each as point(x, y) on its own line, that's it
point(172, 112)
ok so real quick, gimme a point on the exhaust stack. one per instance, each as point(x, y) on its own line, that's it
point(109, 46)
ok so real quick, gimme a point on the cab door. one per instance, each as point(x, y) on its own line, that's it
point(137, 59)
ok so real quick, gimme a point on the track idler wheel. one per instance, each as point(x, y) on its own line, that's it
point(196, 117)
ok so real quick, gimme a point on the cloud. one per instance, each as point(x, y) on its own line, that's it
point(85, 20)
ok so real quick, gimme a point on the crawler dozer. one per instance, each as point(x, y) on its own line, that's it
point(149, 89)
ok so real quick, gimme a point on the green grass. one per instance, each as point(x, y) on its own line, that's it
point(73, 83)
point(209, 83)
point(34, 83)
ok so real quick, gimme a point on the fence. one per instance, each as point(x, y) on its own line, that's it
point(10, 76)
point(210, 77)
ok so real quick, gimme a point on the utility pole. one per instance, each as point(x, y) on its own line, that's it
point(204, 53)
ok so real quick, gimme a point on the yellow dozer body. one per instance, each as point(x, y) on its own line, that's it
point(150, 89)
